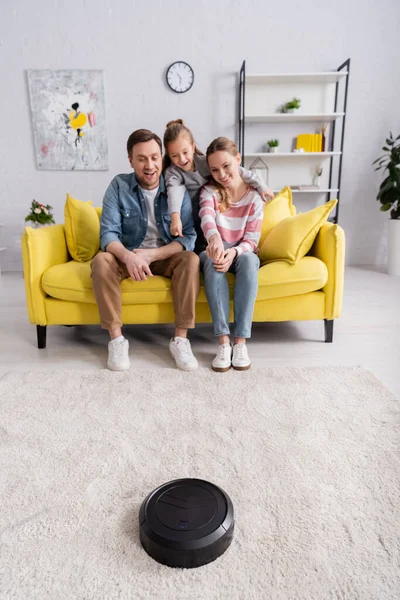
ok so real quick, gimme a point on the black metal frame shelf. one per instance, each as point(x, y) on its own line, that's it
point(332, 142)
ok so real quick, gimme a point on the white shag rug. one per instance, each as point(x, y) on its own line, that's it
point(309, 456)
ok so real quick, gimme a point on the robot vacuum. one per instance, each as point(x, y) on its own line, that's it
point(186, 523)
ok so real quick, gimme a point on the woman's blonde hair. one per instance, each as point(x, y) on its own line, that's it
point(173, 130)
point(222, 144)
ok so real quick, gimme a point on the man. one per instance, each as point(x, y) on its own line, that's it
point(136, 242)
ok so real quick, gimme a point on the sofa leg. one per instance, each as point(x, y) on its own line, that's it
point(328, 330)
point(41, 336)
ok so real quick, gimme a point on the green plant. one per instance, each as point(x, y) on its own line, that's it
point(40, 213)
point(295, 103)
point(273, 143)
point(389, 191)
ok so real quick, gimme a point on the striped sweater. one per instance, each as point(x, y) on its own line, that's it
point(239, 225)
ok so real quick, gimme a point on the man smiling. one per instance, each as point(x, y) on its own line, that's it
point(136, 242)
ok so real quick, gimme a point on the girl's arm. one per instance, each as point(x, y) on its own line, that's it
point(175, 189)
point(252, 230)
point(251, 179)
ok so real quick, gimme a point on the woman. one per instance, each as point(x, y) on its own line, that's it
point(231, 215)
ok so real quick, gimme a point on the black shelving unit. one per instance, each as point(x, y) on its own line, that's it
point(334, 139)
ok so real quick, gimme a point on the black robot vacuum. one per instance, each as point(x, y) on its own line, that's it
point(186, 523)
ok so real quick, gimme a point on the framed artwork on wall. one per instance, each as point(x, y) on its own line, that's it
point(68, 119)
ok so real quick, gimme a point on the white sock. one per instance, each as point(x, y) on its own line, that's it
point(118, 339)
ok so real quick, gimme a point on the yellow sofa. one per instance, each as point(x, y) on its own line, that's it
point(59, 289)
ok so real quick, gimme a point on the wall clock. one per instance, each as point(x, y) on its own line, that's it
point(180, 77)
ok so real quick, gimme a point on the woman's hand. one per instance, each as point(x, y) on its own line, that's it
point(215, 248)
point(223, 265)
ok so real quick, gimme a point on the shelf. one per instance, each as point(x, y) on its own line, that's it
point(293, 117)
point(319, 191)
point(327, 77)
point(292, 154)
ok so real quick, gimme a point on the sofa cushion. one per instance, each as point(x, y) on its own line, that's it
point(72, 282)
point(277, 209)
point(82, 229)
point(279, 279)
point(293, 237)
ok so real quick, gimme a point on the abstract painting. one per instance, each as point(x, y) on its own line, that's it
point(68, 118)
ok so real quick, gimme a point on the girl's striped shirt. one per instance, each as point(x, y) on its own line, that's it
point(239, 225)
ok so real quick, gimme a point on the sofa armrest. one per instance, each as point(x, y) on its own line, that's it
point(329, 246)
point(41, 248)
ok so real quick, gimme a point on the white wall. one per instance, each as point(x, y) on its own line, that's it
point(134, 42)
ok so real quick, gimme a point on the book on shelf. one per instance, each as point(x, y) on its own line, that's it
point(310, 142)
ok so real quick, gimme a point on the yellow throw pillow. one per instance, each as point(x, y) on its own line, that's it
point(82, 229)
point(293, 237)
point(277, 209)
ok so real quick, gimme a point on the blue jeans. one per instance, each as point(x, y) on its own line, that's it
point(246, 268)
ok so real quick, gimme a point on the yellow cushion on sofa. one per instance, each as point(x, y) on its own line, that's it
point(293, 237)
point(277, 209)
point(82, 229)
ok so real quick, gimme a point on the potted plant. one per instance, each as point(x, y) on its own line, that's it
point(292, 105)
point(389, 197)
point(273, 145)
point(40, 214)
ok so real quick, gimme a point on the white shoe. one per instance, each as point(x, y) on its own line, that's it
point(118, 355)
point(182, 353)
point(222, 361)
point(240, 358)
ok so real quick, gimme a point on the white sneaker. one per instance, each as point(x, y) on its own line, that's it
point(222, 361)
point(118, 355)
point(240, 358)
point(182, 353)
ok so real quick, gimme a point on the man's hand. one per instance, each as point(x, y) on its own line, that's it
point(222, 266)
point(267, 195)
point(215, 248)
point(137, 265)
point(147, 254)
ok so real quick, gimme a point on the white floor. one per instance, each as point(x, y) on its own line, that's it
point(367, 334)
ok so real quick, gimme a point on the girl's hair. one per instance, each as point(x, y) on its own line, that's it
point(173, 130)
point(222, 144)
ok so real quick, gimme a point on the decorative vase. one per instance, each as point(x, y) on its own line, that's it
point(290, 110)
point(274, 149)
point(394, 247)
point(39, 225)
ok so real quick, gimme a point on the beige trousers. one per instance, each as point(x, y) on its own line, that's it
point(182, 268)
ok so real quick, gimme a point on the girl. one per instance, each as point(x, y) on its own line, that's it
point(186, 168)
point(231, 215)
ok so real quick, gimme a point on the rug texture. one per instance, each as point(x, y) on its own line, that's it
point(310, 458)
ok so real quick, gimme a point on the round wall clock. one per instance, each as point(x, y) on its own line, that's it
point(180, 77)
